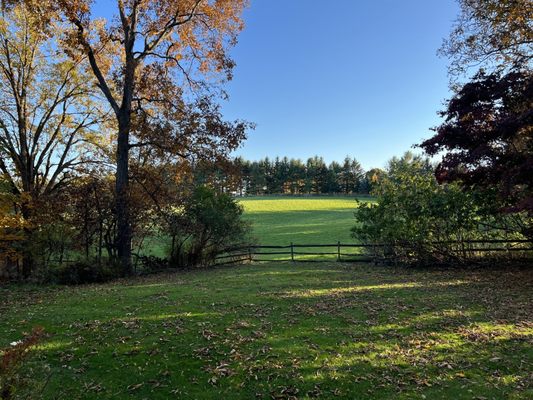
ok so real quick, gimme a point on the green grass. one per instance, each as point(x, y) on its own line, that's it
point(281, 331)
point(280, 220)
point(308, 220)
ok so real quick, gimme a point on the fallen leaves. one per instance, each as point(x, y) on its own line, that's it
point(154, 339)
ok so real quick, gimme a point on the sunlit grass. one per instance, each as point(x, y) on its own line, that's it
point(360, 288)
point(276, 331)
point(281, 220)
point(310, 220)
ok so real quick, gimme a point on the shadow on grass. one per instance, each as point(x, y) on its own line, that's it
point(273, 332)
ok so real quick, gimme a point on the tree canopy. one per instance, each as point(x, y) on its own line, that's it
point(492, 34)
point(142, 60)
point(487, 137)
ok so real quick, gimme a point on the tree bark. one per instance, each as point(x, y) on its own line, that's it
point(122, 196)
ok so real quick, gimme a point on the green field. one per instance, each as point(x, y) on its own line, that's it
point(328, 331)
point(302, 220)
point(280, 220)
point(307, 220)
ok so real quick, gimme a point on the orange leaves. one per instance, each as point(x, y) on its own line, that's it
point(197, 32)
point(11, 357)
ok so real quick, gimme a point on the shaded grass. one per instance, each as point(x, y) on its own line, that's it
point(276, 331)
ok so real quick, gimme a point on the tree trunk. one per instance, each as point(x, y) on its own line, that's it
point(122, 197)
point(27, 256)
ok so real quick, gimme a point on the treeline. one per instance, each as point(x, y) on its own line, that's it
point(294, 176)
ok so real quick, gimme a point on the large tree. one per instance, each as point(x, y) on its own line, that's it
point(487, 137)
point(45, 107)
point(352, 175)
point(143, 59)
point(46, 112)
point(493, 34)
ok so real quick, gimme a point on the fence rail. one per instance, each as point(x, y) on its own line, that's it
point(293, 252)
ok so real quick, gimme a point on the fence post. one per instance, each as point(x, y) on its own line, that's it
point(338, 251)
point(250, 259)
point(292, 252)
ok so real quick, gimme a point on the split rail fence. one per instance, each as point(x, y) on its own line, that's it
point(365, 253)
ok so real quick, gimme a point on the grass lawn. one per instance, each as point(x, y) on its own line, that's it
point(302, 220)
point(278, 220)
point(281, 331)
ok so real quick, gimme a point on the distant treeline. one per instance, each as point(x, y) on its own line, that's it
point(294, 176)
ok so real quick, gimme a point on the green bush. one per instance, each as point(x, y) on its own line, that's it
point(417, 220)
point(208, 224)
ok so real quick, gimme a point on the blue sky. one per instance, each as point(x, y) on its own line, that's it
point(357, 77)
point(338, 77)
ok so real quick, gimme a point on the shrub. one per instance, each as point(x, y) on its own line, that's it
point(82, 272)
point(209, 223)
point(417, 220)
point(151, 264)
point(11, 362)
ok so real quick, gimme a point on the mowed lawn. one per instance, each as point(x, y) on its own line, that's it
point(301, 220)
point(281, 331)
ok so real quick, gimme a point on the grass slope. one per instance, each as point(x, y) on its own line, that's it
point(280, 220)
point(281, 332)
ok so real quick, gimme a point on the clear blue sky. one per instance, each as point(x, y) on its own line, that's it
point(338, 77)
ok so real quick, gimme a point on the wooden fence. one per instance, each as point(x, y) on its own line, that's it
point(374, 253)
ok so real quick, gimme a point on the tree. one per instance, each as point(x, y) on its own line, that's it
point(12, 227)
point(44, 106)
point(45, 110)
point(398, 167)
point(487, 138)
point(258, 180)
point(491, 33)
point(297, 176)
point(352, 174)
point(142, 61)
point(372, 179)
point(204, 226)
point(417, 219)
point(317, 175)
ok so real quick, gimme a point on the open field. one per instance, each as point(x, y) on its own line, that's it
point(307, 220)
point(281, 332)
point(280, 220)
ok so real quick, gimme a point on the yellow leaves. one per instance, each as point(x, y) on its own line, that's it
point(3, 26)
point(11, 218)
point(12, 223)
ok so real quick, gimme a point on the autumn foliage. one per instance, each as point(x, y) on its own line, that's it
point(487, 138)
point(86, 99)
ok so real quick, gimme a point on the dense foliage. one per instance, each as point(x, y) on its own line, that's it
point(487, 139)
point(293, 176)
point(146, 61)
point(208, 225)
point(416, 219)
point(99, 122)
